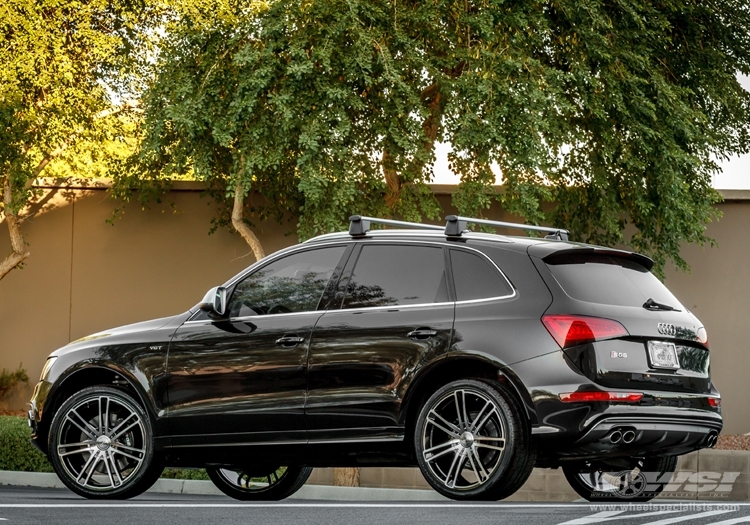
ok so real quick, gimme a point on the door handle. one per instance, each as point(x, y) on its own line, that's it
point(421, 333)
point(289, 340)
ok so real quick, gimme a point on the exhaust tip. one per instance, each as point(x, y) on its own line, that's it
point(628, 436)
point(615, 436)
point(711, 440)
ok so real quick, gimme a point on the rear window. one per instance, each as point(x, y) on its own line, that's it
point(604, 279)
point(475, 278)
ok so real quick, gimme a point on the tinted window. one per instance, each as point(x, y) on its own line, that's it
point(396, 275)
point(609, 280)
point(475, 278)
point(292, 284)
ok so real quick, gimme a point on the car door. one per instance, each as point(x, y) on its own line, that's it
point(243, 379)
point(393, 313)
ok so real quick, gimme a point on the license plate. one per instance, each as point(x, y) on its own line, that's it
point(663, 355)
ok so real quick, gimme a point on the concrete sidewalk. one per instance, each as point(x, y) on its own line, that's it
point(708, 475)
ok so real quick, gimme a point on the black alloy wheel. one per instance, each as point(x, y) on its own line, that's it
point(629, 479)
point(101, 445)
point(472, 441)
point(259, 483)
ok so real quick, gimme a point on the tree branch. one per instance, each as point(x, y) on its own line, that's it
point(18, 255)
point(238, 221)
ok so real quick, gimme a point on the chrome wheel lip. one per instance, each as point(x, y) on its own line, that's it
point(102, 448)
point(465, 439)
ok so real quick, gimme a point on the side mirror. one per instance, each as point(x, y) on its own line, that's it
point(215, 302)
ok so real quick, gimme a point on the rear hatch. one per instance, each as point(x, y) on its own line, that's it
point(660, 345)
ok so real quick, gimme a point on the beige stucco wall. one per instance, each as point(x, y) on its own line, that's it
point(85, 275)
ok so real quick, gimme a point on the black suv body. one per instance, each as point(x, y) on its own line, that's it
point(473, 356)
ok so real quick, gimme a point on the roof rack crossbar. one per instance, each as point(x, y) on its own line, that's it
point(455, 225)
point(359, 225)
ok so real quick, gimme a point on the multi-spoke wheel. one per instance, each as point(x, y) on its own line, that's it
point(621, 479)
point(101, 446)
point(471, 442)
point(259, 483)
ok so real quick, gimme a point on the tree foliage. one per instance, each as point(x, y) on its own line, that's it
point(614, 110)
point(61, 62)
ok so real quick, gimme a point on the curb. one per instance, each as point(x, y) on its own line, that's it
point(183, 486)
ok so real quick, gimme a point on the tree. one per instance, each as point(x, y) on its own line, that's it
point(614, 111)
point(61, 63)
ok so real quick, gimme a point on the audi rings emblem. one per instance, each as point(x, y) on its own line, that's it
point(666, 329)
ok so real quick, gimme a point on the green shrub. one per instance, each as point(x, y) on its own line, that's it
point(185, 473)
point(10, 380)
point(16, 451)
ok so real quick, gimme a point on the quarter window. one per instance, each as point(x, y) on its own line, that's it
point(389, 275)
point(292, 284)
point(475, 278)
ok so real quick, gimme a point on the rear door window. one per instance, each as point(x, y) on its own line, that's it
point(603, 279)
point(476, 278)
point(391, 275)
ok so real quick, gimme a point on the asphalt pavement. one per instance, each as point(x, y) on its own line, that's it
point(23, 505)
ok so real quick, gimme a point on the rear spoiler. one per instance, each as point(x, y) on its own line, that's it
point(589, 254)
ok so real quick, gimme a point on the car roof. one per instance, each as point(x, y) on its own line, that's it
point(536, 246)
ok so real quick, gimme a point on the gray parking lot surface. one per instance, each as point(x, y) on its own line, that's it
point(57, 506)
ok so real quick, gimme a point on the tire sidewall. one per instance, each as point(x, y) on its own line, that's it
point(512, 428)
point(138, 483)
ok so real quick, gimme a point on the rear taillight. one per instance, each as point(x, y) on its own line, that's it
point(714, 402)
point(572, 330)
point(589, 397)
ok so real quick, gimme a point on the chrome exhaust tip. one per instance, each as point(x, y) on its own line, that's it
point(628, 436)
point(712, 439)
point(615, 436)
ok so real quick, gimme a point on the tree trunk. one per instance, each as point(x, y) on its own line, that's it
point(19, 253)
point(346, 477)
point(436, 103)
point(392, 179)
point(238, 221)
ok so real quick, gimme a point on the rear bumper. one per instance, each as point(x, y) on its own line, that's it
point(642, 435)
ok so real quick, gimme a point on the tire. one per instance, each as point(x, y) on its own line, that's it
point(101, 445)
point(636, 479)
point(259, 483)
point(472, 441)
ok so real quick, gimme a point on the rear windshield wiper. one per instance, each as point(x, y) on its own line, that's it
point(653, 305)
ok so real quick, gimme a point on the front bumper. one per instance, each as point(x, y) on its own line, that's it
point(36, 416)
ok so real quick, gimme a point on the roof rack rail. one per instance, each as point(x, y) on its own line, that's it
point(455, 225)
point(359, 225)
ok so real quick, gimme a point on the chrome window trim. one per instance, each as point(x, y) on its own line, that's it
point(486, 299)
point(441, 244)
point(291, 250)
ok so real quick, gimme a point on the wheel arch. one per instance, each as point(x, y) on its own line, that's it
point(86, 376)
point(462, 366)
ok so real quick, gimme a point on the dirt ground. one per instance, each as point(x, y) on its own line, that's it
point(6, 412)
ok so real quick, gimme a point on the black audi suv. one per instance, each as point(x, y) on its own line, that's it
point(474, 356)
